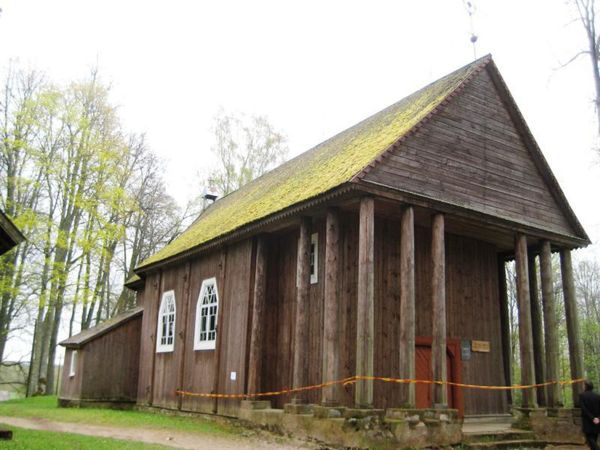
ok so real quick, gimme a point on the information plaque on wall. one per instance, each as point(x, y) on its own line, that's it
point(480, 346)
point(465, 350)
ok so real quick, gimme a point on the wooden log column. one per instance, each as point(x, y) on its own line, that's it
point(258, 312)
point(302, 299)
point(407, 306)
point(537, 331)
point(525, 332)
point(438, 302)
point(505, 327)
point(331, 345)
point(365, 304)
point(575, 353)
point(554, 393)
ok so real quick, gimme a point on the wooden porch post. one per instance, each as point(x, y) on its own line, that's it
point(258, 310)
point(525, 333)
point(302, 298)
point(550, 326)
point(537, 331)
point(331, 347)
point(505, 327)
point(365, 304)
point(575, 354)
point(438, 302)
point(407, 306)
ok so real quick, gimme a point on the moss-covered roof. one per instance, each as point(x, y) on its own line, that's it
point(324, 167)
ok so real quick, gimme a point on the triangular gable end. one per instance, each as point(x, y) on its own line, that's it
point(478, 153)
point(322, 170)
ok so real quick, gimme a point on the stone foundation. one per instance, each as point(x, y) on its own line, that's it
point(360, 428)
point(557, 425)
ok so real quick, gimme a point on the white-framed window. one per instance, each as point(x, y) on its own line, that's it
point(73, 365)
point(314, 258)
point(165, 334)
point(207, 310)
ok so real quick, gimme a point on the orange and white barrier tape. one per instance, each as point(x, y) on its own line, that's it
point(356, 378)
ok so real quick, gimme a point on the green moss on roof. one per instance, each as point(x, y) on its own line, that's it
point(326, 166)
point(133, 279)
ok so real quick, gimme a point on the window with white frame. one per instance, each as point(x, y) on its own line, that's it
point(314, 258)
point(73, 365)
point(207, 308)
point(165, 335)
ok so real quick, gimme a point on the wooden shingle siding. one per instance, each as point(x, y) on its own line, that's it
point(470, 154)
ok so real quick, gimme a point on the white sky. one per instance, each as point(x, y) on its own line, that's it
point(313, 67)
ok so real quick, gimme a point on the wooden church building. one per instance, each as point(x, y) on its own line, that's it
point(379, 252)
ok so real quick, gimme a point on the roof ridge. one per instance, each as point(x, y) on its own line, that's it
point(322, 168)
point(478, 66)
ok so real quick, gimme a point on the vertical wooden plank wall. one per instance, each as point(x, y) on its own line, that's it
point(472, 309)
point(233, 328)
point(167, 364)
point(150, 300)
point(199, 372)
point(117, 381)
point(472, 294)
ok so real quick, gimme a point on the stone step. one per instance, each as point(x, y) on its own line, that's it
point(489, 418)
point(509, 435)
point(507, 444)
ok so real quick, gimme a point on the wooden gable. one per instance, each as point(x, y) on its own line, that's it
point(476, 153)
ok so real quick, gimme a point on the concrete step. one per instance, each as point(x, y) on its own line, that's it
point(489, 418)
point(508, 435)
point(508, 444)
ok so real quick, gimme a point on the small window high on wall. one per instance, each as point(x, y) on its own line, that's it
point(73, 365)
point(314, 258)
point(165, 335)
point(207, 308)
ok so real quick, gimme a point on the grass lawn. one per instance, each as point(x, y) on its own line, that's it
point(48, 440)
point(47, 408)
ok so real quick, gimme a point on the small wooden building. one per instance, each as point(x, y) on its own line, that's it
point(380, 252)
point(101, 363)
point(10, 236)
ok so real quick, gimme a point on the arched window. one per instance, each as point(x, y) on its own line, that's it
point(165, 335)
point(205, 334)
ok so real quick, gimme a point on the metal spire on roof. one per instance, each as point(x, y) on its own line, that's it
point(470, 8)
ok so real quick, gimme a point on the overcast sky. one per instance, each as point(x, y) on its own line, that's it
point(313, 68)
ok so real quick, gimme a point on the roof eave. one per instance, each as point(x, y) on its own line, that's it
point(249, 228)
point(73, 343)
point(563, 240)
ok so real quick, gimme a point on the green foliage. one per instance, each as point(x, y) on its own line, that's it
point(24, 439)
point(246, 147)
point(89, 198)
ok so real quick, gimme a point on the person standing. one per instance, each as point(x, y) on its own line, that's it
point(589, 402)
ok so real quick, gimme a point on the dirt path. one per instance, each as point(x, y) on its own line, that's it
point(170, 438)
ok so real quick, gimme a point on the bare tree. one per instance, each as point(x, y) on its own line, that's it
point(246, 147)
point(587, 16)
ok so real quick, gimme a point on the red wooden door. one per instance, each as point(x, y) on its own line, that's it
point(423, 372)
